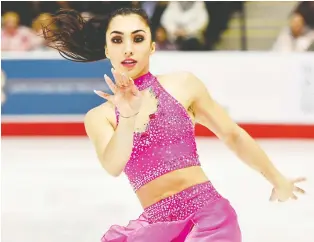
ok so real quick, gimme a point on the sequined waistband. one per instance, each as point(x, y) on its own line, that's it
point(181, 205)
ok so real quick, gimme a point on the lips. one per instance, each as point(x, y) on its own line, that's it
point(129, 62)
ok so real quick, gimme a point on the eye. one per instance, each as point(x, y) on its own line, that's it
point(138, 39)
point(116, 40)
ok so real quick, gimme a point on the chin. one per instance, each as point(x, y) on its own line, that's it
point(133, 73)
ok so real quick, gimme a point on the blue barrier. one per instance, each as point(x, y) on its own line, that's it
point(35, 87)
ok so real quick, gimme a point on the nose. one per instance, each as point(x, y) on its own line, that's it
point(128, 51)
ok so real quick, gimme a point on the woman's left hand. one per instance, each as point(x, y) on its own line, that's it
point(286, 190)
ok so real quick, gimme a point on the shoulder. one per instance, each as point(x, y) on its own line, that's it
point(178, 77)
point(184, 85)
point(181, 79)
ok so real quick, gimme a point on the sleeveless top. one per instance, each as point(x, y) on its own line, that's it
point(167, 144)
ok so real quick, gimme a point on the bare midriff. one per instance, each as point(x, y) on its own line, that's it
point(170, 184)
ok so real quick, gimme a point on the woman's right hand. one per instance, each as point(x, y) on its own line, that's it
point(126, 96)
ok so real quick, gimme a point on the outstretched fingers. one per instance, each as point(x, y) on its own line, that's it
point(104, 95)
point(120, 83)
point(299, 190)
point(134, 88)
point(299, 179)
point(110, 84)
point(273, 196)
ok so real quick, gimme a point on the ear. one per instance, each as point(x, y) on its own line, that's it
point(153, 48)
point(106, 52)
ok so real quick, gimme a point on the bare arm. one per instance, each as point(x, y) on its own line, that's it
point(213, 116)
point(113, 147)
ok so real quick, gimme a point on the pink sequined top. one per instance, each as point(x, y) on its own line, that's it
point(167, 144)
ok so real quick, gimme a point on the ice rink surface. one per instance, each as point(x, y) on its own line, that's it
point(54, 190)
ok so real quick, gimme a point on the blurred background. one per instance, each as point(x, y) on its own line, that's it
point(228, 25)
point(261, 52)
point(255, 57)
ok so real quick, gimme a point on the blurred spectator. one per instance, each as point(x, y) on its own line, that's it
point(185, 23)
point(161, 39)
point(296, 37)
point(87, 15)
point(220, 14)
point(44, 19)
point(15, 37)
point(28, 10)
point(306, 9)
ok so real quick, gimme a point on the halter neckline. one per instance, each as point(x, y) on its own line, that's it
point(144, 81)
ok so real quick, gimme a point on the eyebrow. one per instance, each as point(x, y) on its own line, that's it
point(134, 32)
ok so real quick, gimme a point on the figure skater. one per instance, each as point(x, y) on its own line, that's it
point(146, 130)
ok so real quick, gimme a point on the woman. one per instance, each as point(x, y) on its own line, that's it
point(146, 129)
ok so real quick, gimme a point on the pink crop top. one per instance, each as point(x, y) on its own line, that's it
point(167, 144)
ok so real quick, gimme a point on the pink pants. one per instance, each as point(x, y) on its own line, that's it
point(197, 214)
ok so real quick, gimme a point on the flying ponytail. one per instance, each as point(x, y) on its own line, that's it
point(75, 38)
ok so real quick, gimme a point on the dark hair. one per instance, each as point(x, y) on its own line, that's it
point(82, 40)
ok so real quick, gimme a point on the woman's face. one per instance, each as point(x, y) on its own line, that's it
point(297, 25)
point(129, 45)
point(161, 35)
point(11, 22)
